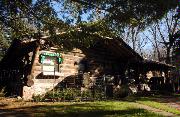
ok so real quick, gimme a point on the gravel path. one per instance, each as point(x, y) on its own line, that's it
point(158, 111)
point(174, 105)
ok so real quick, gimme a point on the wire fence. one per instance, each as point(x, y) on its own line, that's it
point(9, 75)
point(10, 79)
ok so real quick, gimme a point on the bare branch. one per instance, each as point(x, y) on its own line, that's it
point(149, 40)
point(167, 23)
point(162, 37)
point(174, 26)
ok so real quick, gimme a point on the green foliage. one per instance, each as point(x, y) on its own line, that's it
point(70, 94)
point(99, 94)
point(27, 17)
point(61, 95)
point(56, 95)
point(99, 27)
point(127, 12)
point(84, 35)
point(37, 98)
point(4, 43)
point(14, 17)
point(3, 40)
point(86, 95)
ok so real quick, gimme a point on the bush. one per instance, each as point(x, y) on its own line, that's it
point(38, 98)
point(122, 91)
point(70, 94)
point(65, 94)
point(2, 92)
point(99, 95)
point(57, 96)
point(86, 95)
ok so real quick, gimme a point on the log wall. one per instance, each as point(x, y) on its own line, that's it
point(44, 84)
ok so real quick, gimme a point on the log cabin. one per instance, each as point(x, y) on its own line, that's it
point(33, 67)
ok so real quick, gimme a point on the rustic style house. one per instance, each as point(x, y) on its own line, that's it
point(37, 66)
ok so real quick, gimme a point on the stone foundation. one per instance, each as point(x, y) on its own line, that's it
point(40, 87)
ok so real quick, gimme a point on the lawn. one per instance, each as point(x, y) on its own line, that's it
point(75, 109)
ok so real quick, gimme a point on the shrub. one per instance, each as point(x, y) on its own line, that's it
point(38, 98)
point(2, 92)
point(57, 96)
point(122, 91)
point(99, 94)
point(86, 95)
point(70, 93)
point(65, 94)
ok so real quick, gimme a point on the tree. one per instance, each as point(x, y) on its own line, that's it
point(129, 16)
point(26, 18)
point(13, 17)
point(163, 34)
point(131, 36)
point(122, 12)
point(4, 43)
point(83, 35)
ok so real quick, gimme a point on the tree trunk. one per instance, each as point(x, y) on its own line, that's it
point(168, 61)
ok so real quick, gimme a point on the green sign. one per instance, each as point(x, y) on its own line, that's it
point(50, 58)
point(51, 54)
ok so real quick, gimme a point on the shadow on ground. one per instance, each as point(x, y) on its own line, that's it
point(73, 110)
point(161, 99)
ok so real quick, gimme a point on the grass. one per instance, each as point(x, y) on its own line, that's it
point(77, 109)
point(162, 106)
point(96, 109)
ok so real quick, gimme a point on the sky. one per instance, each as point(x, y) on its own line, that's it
point(67, 16)
point(58, 7)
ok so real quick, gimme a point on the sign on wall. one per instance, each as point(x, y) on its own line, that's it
point(50, 58)
point(50, 62)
